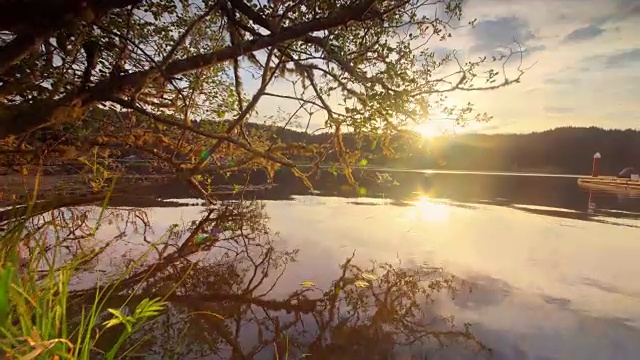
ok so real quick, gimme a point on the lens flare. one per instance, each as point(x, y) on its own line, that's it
point(428, 209)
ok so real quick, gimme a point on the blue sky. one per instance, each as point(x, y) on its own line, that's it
point(587, 64)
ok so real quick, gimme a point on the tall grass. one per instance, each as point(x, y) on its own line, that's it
point(34, 299)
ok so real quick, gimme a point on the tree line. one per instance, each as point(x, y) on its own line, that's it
point(563, 150)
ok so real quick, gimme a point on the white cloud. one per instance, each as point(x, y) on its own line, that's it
point(585, 52)
point(590, 73)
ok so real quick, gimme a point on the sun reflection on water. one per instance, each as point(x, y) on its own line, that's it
point(428, 209)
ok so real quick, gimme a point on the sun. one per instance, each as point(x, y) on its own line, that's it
point(429, 130)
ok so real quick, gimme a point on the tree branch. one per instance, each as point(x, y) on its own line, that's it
point(19, 120)
point(217, 136)
point(36, 20)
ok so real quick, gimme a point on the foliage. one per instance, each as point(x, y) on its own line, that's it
point(135, 76)
point(38, 269)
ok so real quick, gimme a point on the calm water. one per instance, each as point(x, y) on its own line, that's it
point(543, 271)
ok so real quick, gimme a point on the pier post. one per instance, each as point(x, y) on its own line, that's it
point(596, 161)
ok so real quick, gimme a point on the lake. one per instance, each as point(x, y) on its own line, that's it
point(541, 270)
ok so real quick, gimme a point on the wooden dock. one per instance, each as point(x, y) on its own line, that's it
point(609, 183)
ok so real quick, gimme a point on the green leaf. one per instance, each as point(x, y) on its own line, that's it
point(307, 284)
point(149, 308)
point(5, 281)
point(118, 318)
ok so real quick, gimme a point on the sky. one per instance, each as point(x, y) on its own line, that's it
point(587, 62)
point(586, 65)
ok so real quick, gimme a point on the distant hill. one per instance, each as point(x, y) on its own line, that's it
point(567, 150)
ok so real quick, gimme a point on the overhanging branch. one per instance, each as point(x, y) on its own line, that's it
point(39, 116)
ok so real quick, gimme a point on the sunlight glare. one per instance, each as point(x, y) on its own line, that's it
point(428, 130)
point(428, 209)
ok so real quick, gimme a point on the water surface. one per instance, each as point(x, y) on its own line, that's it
point(552, 270)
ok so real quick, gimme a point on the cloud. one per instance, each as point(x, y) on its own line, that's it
point(593, 76)
point(533, 49)
point(584, 33)
point(623, 59)
point(622, 10)
point(561, 81)
point(628, 7)
point(491, 35)
point(493, 128)
point(558, 110)
point(441, 51)
point(611, 61)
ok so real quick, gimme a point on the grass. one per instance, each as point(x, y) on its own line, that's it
point(34, 298)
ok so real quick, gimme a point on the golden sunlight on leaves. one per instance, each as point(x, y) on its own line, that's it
point(307, 284)
point(361, 283)
point(429, 209)
point(368, 276)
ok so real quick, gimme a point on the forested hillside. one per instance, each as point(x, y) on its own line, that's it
point(566, 150)
point(562, 150)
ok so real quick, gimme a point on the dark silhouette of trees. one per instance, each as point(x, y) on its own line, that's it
point(567, 150)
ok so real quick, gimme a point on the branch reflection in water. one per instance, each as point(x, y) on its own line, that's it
point(218, 274)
